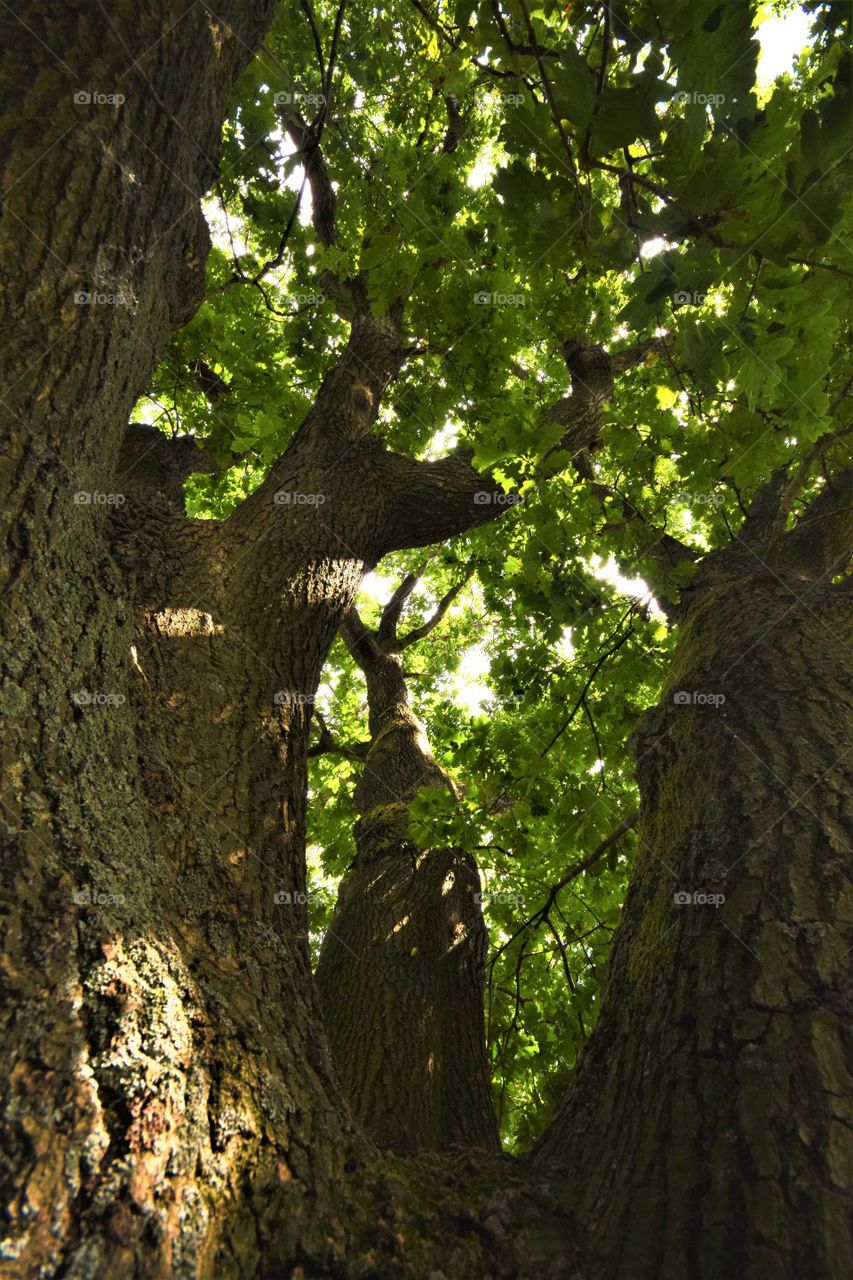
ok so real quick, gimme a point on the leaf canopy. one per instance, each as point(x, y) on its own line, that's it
point(526, 173)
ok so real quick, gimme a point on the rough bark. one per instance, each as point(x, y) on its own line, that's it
point(707, 1129)
point(169, 1108)
point(401, 969)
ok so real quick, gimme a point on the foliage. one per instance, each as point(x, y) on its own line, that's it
point(530, 172)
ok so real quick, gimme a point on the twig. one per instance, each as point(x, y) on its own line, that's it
point(584, 865)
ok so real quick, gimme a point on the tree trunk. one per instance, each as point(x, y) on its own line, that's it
point(707, 1129)
point(402, 968)
point(169, 1108)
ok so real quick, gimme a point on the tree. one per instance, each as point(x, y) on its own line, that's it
point(563, 266)
point(401, 971)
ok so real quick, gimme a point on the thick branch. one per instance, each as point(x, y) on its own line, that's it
point(153, 464)
point(456, 124)
point(592, 370)
point(386, 634)
point(665, 551)
point(359, 639)
point(428, 502)
point(768, 511)
point(346, 407)
point(323, 199)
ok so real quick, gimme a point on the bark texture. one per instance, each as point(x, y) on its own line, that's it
point(401, 971)
point(707, 1129)
point(168, 1106)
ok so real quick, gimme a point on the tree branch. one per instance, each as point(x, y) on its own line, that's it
point(592, 370)
point(315, 36)
point(428, 502)
point(326, 744)
point(359, 639)
point(418, 633)
point(333, 55)
point(552, 105)
point(152, 463)
point(608, 653)
point(387, 632)
point(323, 200)
point(585, 864)
point(693, 222)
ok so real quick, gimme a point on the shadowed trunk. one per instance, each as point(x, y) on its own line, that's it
point(162, 1054)
point(707, 1128)
point(401, 970)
